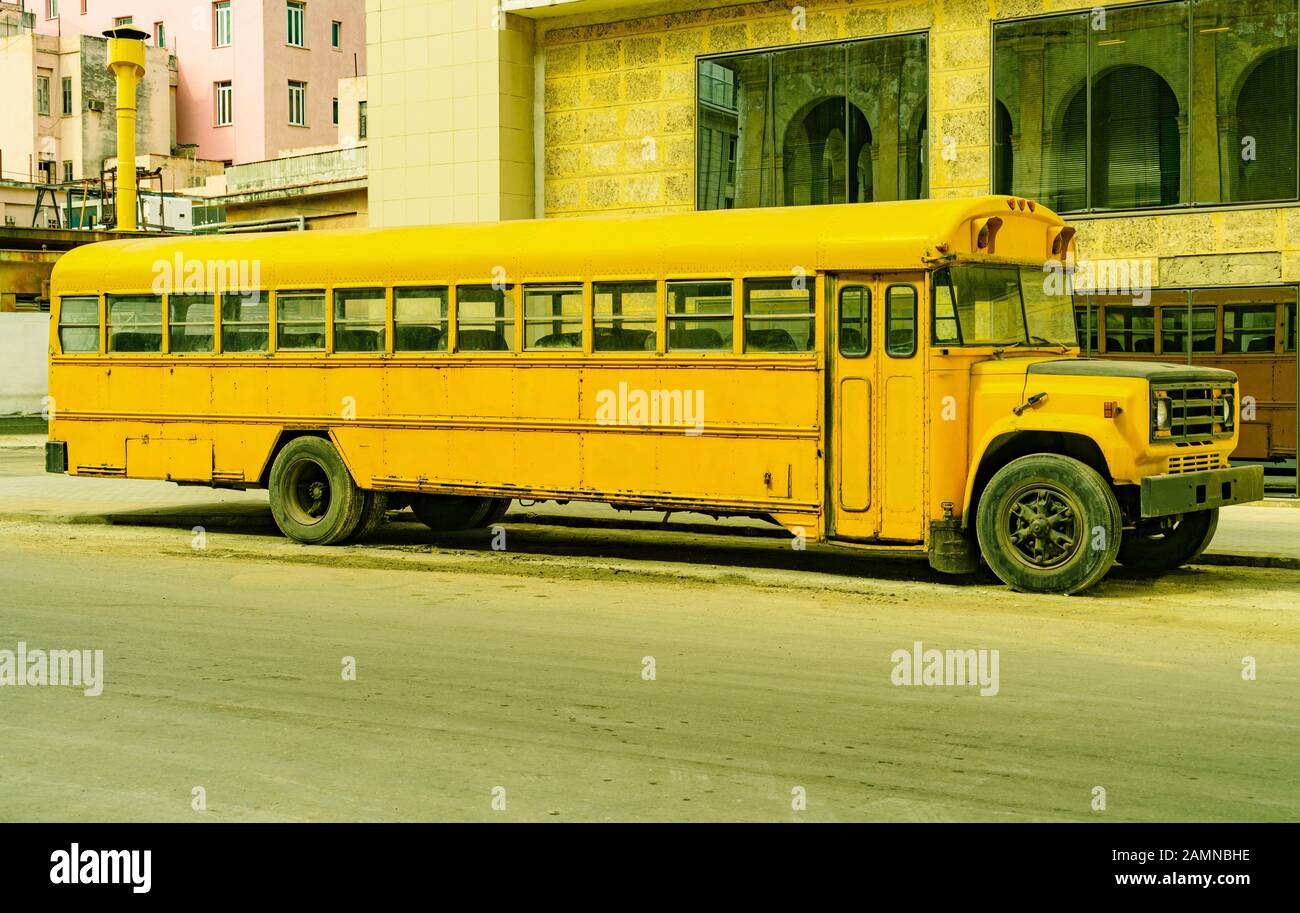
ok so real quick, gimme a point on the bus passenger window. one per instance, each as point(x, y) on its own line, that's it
point(300, 321)
point(190, 324)
point(135, 323)
point(1290, 327)
point(1248, 328)
point(625, 316)
point(900, 321)
point(79, 325)
point(245, 322)
point(778, 315)
point(1130, 329)
point(699, 316)
point(360, 319)
point(553, 317)
point(855, 321)
point(1173, 329)
point(485, 319)
point(420, 319)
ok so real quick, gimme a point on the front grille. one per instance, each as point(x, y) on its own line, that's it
point(1194, 462)
point(1195, 411)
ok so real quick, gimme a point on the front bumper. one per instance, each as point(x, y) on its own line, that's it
point(1187, 492)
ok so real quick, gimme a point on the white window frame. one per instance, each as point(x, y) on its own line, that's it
point(295, 9)
point(221, 24)
point(300, 88)
point(43, 95)
point(51, 9)
point(225, 103)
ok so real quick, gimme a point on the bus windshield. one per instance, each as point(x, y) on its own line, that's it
point(1000, 305)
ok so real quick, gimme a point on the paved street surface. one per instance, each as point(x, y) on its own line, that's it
point(529, 669)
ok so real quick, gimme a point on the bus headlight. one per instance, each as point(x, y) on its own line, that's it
point(1163, 415)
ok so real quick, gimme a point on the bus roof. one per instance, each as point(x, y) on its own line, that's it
point(859, 236)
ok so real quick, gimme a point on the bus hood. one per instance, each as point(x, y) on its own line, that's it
point(1148, 370)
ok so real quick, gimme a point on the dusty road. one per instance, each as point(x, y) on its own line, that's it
point(524, 669)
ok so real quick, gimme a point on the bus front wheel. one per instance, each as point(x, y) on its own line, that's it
point(313, 497)
point(1048, 524)
point(1155, 547)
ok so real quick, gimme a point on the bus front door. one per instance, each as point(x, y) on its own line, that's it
point(877, 394)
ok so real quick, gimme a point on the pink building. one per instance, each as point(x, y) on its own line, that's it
point(256, 77)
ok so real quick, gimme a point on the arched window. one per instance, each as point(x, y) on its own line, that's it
point(1136, 156)
point(1266, 129)
point(826, 155)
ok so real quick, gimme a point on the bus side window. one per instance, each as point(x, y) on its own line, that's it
point(778, 315)
point(245, 322)
point(79, 325)
point(624, 319)
point(360, 319)
point(485, 318)
point(135, 323)
point(190, 324)
point(420, 319)
point(553, 317)
point(855, 321)
point(699, 315)
point(900, 321)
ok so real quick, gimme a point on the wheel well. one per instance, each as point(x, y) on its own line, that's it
point(285, 437)
point(1014, 445)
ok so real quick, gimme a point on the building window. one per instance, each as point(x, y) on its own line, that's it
point(831, 123)
point(67, 172)
point(297, 103)
point(123, 20)
point(67, 96)
point(160, 34)
point(51, 9)
point(225, 98)
point(361, 120)
point(42, 95)
point(221, 24)
point(336, 34)
point(1166, 104)
point(296, 35)
point(336, 112)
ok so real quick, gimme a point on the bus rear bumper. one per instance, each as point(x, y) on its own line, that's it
point(1187, 492)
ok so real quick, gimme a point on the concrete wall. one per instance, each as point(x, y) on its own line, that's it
point(451, 112)
point(24, 343)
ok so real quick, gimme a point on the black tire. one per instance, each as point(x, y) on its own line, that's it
point(372, 517)
point(313, 497)
point(1048, 524)
point(446, 513)
point(498, 513)
point(1156, 548)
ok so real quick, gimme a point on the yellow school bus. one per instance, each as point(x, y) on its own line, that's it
point(889, 374)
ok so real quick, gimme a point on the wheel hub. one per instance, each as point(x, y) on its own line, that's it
point(1042, 525)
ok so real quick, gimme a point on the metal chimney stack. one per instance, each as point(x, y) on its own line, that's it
point(126, 63)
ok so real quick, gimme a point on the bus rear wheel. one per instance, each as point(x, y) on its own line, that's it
point(313, 497)
point(1048, 524)
point(1156, 547)
point(446, 513)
